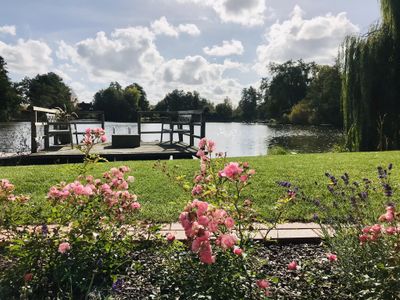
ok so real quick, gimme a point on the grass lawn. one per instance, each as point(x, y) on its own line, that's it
point(162, 199)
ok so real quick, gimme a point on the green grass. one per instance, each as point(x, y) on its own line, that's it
point(162, 199)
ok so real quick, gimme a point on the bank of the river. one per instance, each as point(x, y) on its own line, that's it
point(162, 198)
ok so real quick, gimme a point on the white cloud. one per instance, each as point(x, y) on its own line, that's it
point(162, 26)
point(8, 29)
point(192, 70)
point(130, 55)
point(27, 57)
point(316, 39)
point(190, 29)
point(244, 12)
point(127, 52)
point(233, 47)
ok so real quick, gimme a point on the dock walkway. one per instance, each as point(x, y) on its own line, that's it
point(146, 151)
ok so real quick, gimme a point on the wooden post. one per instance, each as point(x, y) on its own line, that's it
point(203, 126)
point(191, 134)
point(180, 135)
point(139, 123)
point(103, 120)
point(47, 138)
point(33, 131)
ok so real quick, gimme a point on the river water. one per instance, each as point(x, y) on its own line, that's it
point(236, 139)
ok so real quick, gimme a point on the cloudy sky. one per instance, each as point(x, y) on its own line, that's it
point(216, 47)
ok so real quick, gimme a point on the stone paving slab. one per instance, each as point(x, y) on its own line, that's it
point(286, 232)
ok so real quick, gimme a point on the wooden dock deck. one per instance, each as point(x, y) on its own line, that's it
point(146, 151)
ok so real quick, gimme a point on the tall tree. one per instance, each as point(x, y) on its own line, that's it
point(287, 86)
point(248, 104)
point(117, 103)
point(47, 90)
point(323, 96)
point(9, 100)
point(224, 111)
point(370, 85)
point(143, 103)
point(181, 100)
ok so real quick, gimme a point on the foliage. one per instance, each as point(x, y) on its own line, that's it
point(224, 111)
point(323, 96)
point(46, 90)
point(120, 104)
point(302, 113)
point(181, 100)
point(367, 255)
point(82, 245)
point(9, 100)
point(287, 87)
point(370, 89)
point(277, 150)
point(248, 104)
point(220, 225)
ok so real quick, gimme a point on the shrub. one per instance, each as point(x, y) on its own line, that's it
point(83, 246)
point(367, 251)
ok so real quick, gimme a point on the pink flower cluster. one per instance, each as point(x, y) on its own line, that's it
point(374, 232)
point(94, 135)
point(237, 171)
point(64, 247)
point(7, 192)
point(201, 222)
point(113, 191)
point(6, 189)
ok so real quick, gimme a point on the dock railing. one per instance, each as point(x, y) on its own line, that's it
point(47, 117)
point(182, 122)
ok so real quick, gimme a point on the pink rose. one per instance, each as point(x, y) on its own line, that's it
point(390, 230)
point(376, 228)
point(332, 257)
point(202, 143)
point(135, 205)
point(229, 222)
point(197, 190)
point(64, 247)
point(103, 138)
point(203, 220)
point(211, 145)
point(226, 241)
point(262, 284)
point(292, 266)
point(237, 251)
point(363, 238)
point(170, 237)
point(28, 277)
point(232, 170)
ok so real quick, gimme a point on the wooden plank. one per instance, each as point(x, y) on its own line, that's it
point(46, 110)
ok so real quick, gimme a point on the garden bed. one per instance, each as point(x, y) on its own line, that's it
point(315, 278)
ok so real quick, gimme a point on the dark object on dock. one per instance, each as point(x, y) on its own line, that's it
point(125, 140)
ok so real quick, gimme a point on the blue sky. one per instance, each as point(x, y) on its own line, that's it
point(216, 47)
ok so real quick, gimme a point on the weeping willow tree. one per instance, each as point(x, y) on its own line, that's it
point(371, 84)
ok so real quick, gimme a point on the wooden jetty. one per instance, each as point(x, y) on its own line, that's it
point(172, 124)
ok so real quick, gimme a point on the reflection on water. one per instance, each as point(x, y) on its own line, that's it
point(237, 139)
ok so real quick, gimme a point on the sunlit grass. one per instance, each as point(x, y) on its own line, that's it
point(162, 199)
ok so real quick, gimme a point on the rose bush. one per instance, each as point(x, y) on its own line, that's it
point(219, 224)
point(84, 244)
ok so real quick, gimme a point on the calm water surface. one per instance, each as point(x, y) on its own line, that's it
point(236, 139)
